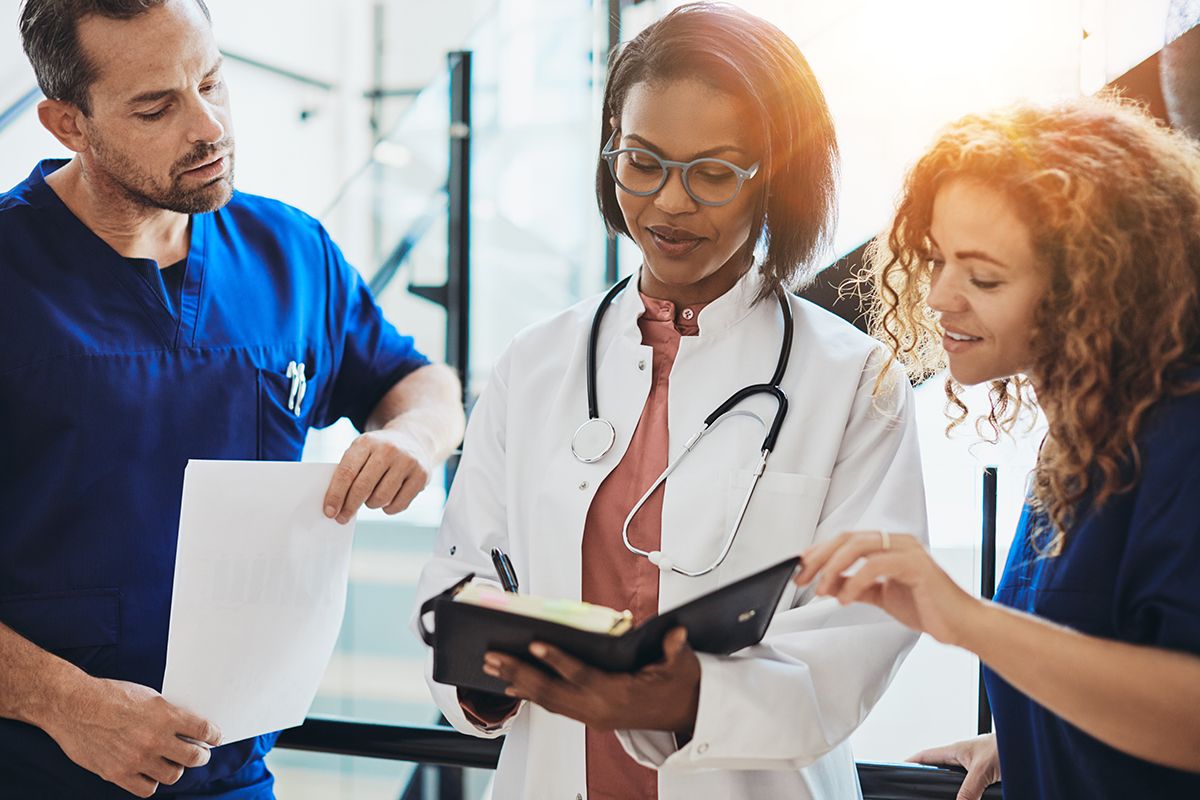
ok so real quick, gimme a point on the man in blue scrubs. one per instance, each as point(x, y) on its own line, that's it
point(149, 315)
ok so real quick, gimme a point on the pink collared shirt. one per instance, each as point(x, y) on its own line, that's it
point(612, 575)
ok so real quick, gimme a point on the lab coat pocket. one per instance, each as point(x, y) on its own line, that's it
point(82, 627)
point(779, 522)
point(284, 403)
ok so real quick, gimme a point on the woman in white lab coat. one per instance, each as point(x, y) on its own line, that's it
point(700, 320)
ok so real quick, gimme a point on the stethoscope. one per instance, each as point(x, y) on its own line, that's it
point(594, 439)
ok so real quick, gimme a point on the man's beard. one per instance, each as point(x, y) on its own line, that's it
point(141, 189)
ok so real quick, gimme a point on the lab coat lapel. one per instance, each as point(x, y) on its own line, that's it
point(623, 383)
point(695, 525)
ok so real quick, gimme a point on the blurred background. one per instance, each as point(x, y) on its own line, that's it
point(450, 147)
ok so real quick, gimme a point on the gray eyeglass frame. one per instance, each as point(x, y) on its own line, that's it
point(610, 157)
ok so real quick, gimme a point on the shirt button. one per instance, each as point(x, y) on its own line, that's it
point(642, 365)
point(688, 313)
point(583, 486)
point(453, 550)
point(702, 748)
point(579, 797)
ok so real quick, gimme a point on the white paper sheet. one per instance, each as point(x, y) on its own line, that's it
point(260, 591)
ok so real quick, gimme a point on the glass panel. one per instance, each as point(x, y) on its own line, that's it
point(537, 245)
point(537, 238)
point(320, 776)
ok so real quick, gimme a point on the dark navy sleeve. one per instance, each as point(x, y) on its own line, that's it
point(370, 355)
point(1158, 585)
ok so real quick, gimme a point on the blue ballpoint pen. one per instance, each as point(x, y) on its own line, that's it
point(504, 569)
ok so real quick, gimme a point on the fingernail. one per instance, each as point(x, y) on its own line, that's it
point(510, 691)
point(538, 650)
point(491, 669)
point(330, 511)
point(491, 661)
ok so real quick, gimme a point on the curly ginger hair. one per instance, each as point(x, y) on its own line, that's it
point(1111, 199)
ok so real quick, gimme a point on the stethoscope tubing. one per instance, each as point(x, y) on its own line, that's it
point(721, 412)
point(593, 343)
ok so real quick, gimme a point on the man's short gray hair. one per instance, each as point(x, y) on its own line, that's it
point(50, 36)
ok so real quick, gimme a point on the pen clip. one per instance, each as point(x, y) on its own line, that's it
point(504, 570)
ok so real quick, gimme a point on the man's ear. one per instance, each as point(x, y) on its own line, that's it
point(65, 122)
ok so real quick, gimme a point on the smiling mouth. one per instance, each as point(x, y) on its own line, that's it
point(674, 242)
point(962, 337)
point(674, 245)
point(673, 235)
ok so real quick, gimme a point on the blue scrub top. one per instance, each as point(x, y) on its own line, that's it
point(107, 389)
point(1128, 572)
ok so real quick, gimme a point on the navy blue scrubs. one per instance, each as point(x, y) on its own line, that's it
point(108, 385)
point(1128, 572)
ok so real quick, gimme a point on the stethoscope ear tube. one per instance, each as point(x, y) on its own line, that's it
point(593, 341)
point(736, 399)
point(776, 424)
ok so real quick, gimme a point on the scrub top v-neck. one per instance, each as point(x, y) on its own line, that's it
point(109, 385)
point(166, 282)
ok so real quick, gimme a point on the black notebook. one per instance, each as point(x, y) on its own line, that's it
point(723, 621)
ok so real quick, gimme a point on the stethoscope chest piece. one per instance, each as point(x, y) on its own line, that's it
point(593, 439)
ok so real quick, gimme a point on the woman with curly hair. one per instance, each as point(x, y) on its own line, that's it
point(1055, 253)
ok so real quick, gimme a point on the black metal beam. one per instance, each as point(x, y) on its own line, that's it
point(911, 782)
point(612, 267)
point(987, 578)
point(455, 294)
point(458, 253)
point(448, 747)
point(424, 744)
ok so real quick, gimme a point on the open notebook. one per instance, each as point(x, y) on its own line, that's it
point(471, 619)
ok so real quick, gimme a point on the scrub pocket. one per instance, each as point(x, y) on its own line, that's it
point(779, 523)
point(81, 627)
point(281, 431)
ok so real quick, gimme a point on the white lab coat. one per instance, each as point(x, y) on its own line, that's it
point(773, 719)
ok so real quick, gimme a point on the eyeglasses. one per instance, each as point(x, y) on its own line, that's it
point(708, 181)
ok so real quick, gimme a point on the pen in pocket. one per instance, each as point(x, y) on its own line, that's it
point(504, 569)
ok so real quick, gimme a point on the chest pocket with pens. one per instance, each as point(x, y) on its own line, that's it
point(287, 394)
